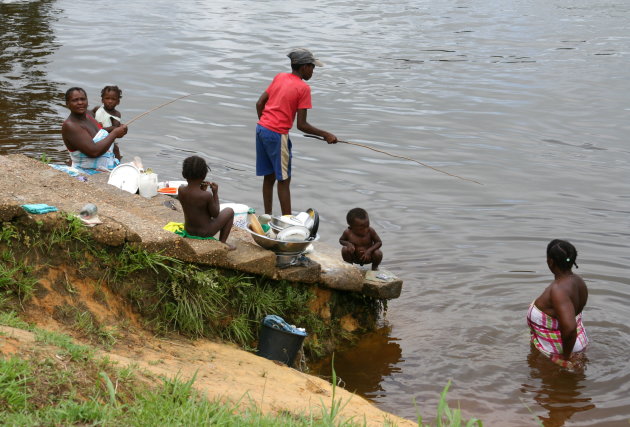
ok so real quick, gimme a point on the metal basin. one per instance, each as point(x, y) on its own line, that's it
point(281, 247)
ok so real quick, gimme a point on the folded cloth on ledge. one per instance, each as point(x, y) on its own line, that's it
point(546, 336)
point(39, 208)
point(73, 170)
point(178, 228)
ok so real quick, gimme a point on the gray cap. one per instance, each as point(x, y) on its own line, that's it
point(302, 56)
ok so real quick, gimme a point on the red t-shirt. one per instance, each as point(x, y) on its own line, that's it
point(287, 94)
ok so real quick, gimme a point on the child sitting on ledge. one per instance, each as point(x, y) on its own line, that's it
point(201, 207)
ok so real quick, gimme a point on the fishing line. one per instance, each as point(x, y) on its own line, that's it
point(170, 102)
point(313, 136)
point(400, 157)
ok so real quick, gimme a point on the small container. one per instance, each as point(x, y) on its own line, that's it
point(148, 184)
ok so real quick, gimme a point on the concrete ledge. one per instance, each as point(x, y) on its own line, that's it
point(130, 218)
point(336, 273)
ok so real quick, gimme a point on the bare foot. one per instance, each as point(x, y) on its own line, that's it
point(230, 247)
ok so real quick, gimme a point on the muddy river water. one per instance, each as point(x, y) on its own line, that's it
point(530, 98)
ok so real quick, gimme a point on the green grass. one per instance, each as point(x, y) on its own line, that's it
point(15, 278)
point(77, 352)
point(447, 416)
point(34, 393)
point(14, 374)
point(85, 323)
point(43, 390)
point(11, 319)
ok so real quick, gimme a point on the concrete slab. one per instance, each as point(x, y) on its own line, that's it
point(130, 218)
point(336, 273)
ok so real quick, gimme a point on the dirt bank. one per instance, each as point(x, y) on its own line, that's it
point(224, 371)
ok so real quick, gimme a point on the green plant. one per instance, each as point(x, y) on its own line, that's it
point(191, 300)
point(72, 230)
point(84, 320)
point(15, 279)
point(44, 158)
point(10, 318)
point(238, 330)
point(8, 232)
point(447, 416)
point(336, 406)
point(14, 374)
point(132, 259)
point(76, 352)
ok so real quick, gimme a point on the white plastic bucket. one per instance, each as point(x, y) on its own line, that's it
point(240, 213)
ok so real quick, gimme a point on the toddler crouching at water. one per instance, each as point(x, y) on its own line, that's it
point(360, 242)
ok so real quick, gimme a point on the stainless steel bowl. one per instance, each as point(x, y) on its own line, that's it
point(281, 247)
point(278, 224)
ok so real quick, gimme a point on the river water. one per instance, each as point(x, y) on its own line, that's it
point(530, 98)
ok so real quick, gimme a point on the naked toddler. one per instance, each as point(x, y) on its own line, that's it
point(360, 243)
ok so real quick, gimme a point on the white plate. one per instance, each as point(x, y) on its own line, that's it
point(295, 233)
point(125, 176)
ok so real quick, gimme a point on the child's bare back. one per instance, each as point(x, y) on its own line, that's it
point(202, 217)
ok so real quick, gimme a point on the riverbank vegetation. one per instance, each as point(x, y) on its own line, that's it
point(170, 295)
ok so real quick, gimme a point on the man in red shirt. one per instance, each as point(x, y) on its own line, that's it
point(287, 95)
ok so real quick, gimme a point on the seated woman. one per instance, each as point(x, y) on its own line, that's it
point(90, 146)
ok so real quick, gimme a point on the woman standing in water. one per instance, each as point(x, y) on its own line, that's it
point(555, 317)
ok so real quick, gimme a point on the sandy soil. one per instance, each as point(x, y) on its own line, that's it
point(229, 373)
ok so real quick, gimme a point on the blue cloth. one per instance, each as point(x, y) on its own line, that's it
point(273, 153)
point(73, 171)
point(277, 322)
point(39, 208)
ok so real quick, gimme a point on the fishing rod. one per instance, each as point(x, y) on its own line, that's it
point(162, 105)
point(396, 155)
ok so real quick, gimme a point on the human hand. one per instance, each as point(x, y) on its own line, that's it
point(204, 185)
point(214, 187)
point(330, 138)
point(576, 362)
point(120, 131)
point(366, 256)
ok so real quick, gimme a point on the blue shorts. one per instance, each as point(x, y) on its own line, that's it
point(273, 153)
